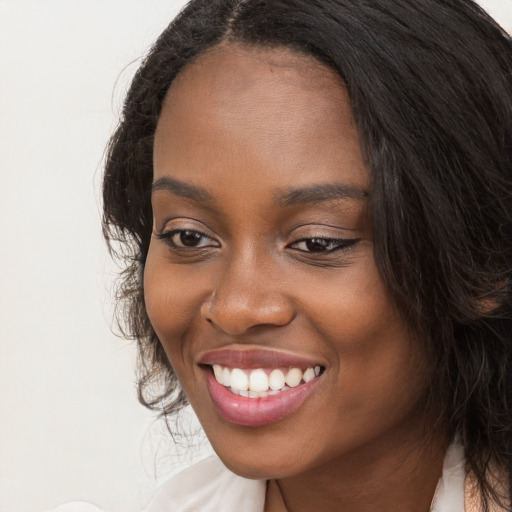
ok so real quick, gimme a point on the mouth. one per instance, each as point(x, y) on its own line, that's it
point(263, 382)
point(257, 387)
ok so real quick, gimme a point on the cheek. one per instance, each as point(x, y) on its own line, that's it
point(172, 298)
point(381, 368)
point(353, 308)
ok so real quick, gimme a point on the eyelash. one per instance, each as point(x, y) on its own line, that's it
point(170, 235)
point(339, 244)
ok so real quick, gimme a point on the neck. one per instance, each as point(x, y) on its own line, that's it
point(388, 475)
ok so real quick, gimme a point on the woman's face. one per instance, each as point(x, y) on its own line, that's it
point(261, 269)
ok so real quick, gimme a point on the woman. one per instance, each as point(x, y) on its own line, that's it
point(314, 202)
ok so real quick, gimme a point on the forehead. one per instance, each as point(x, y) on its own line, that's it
point(282, 114)
point(243, 68)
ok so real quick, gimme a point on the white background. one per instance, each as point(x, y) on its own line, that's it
point(70, 425)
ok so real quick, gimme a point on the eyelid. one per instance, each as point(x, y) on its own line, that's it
point(168, 236)
point(342, 244)
point(321, 230)
point(176, 225)
point(183, 224)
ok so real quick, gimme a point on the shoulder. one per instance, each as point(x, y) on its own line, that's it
point(498, 479)
point(458, 490)
point(208, 486)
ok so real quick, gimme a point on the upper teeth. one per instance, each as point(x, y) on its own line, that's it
point(260, 381)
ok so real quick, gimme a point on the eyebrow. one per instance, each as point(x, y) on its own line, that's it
point(293, 196)
point(182, 189)
point(318, 193)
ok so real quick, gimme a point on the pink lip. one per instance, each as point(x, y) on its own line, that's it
point(255, 358)
point(256, 412)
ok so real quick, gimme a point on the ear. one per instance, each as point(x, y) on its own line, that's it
point(488, 304)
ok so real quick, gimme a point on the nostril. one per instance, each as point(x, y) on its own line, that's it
point(236, 313)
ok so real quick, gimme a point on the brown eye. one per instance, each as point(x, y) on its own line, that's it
point(318, 244)
point(325, 245)
point(190, 238)
point(187, 239)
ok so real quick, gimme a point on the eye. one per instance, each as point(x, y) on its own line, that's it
point(187, 239)
point(325, 245)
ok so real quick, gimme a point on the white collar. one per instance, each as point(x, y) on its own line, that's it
point(208, 486)
point(449, 495)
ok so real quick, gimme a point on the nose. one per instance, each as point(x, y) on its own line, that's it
point(246, 296)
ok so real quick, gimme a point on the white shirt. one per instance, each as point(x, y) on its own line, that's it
point(208, 486)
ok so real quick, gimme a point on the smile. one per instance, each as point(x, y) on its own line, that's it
point(263, 382)
point(254, 388)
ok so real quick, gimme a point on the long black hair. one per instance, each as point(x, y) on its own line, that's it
point(430, 84)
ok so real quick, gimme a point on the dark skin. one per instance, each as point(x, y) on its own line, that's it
point(263, 239)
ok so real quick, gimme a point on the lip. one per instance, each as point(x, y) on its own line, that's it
point(256, 412)
point(253, 358)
